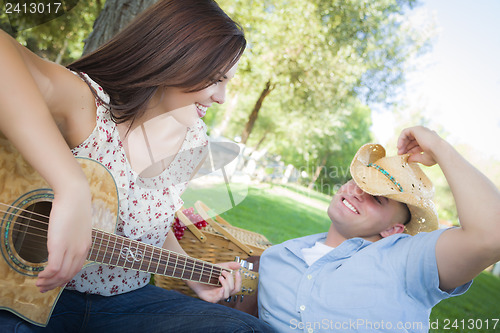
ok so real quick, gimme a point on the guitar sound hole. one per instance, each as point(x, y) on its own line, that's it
point(29, 234)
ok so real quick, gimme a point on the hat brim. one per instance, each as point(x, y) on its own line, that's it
point(414, 189)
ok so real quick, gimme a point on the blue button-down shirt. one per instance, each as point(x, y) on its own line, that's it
point(390, 285)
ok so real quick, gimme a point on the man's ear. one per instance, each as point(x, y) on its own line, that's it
point(395, 229)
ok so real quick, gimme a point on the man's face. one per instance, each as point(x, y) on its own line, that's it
point(355, 213)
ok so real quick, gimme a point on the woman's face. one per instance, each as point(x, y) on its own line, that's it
point(175, 110)
point(187, 107)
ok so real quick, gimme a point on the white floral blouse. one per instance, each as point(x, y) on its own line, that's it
point(146, 205)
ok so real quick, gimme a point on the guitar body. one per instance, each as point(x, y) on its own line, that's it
point(25, 203)
point(24, 198)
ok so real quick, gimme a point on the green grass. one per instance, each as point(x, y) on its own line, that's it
point(277, 217)
point(262, 210)
point(309, 193)
point(478, 306)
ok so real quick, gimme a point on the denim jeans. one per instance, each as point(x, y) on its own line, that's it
point(149, 309)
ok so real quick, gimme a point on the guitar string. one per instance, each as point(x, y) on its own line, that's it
point(106, 256)
point(184, 261)
point(45, 222)
point(22, 210)
point(152, 252)
point(171, 267)
point(175, 267)
point(20, 229)
point(40, 229)
point(41, 222)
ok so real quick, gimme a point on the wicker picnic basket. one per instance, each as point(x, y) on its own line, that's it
point(218, 242)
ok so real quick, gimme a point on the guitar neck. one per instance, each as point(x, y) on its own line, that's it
point(114, 250)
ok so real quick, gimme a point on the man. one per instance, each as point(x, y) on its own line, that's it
point(382, 265)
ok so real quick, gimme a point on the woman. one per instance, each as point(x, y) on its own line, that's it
point(166, 68)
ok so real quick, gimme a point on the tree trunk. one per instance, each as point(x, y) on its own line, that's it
point(255, 112)
point(317, 173)
point(261, 140)
point(115, 15)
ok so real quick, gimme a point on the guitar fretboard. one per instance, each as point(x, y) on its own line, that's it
point(114, 250)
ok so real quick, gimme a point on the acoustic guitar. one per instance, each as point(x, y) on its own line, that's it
point(25, 204)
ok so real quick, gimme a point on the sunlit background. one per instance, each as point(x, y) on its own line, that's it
point(455, 86)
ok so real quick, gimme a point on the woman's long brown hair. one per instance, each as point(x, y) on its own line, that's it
point(175, 43)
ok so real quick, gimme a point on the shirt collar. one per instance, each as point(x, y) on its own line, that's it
point(346, 249)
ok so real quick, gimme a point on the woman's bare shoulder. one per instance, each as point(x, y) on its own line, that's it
point(67, 96)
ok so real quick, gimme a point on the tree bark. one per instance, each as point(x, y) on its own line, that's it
point(115, 15)
point(255, 112)
point(261, 140)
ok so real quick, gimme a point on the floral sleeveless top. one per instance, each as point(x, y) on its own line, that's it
point(146, 205)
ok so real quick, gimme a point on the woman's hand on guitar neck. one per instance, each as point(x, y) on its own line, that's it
point(69, 236)
point(230, 285)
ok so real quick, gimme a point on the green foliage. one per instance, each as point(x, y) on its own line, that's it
point(338, 143)
point(325, 59)
point(60, 39)
point(320, 51)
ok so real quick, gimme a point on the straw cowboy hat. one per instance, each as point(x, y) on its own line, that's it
point(393, 177)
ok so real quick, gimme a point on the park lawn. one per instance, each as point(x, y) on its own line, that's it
point(265, 209)
point(277, 217)
point(478, 310)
